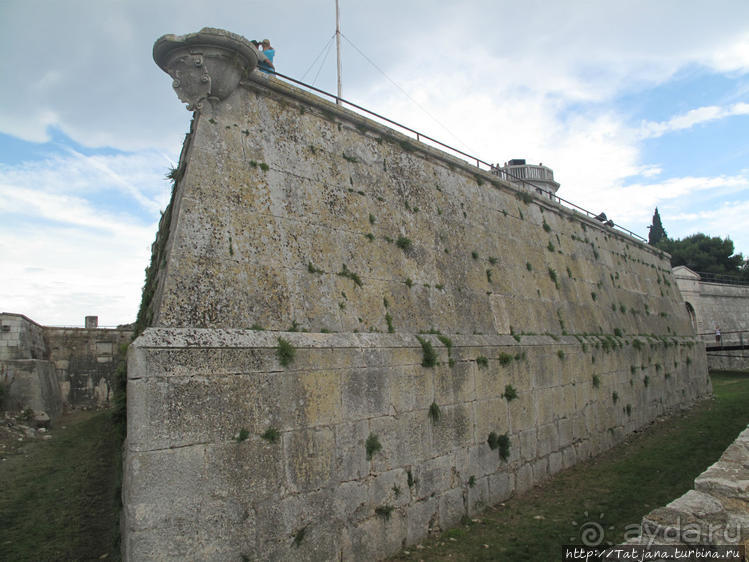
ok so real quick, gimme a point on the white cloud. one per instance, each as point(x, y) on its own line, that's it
point(64, 255)
point(691, 118)
point(505, 80)
point(138, 176)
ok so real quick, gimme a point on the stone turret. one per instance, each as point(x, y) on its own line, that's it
point(538, 178)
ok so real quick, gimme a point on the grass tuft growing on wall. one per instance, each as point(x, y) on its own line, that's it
point(404, 243)
point(430, 356)
point(285, 352)
point(434, 412)
point(346, 272)
point(271, 434)
point(372, 446)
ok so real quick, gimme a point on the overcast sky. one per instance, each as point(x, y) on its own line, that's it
point(632, 103)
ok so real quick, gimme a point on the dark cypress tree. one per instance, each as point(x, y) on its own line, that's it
point(657, 232)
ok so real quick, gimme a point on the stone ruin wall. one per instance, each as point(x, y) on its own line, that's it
point(86, 362)
point(46, 368)
point(285, 223)
point(27, 376)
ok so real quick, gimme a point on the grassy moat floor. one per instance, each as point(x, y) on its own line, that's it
point(58, 496)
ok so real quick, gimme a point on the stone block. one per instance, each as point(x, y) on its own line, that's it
point(411, 388)
point(477, 498)
point(452, 507)
point(310, 458)
point(434, 476)
point(405, 439)
point(547, 440)
point(453, 430)
point(350, 457)
point(454, 385)
point(365, 394)
point(490, 415)
point(540, 470)
point(422, 519)
point(501, 486)
point(375, 538)
point(389, 488)
point(524, 478)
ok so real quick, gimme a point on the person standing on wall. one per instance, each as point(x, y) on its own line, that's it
point(269, 52)
point(717, 335)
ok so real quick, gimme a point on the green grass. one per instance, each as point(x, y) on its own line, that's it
point(615, 489)
point(285, 352)
point(404, 243)
point(430, 356)
point(59, 499)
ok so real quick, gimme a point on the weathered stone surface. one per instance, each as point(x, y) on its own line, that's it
point(31, 383)
point(287, 216)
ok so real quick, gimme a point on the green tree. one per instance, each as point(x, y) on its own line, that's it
point(657, 233)
point(700, 252)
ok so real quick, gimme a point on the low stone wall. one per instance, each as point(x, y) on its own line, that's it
point(728, 360)
point(200, 401)
point(716, 512)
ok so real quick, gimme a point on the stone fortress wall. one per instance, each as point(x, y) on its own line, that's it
point(45, 367)
point(717, 304)
point(356, 339)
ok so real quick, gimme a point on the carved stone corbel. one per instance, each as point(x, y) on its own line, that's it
point(208, 64)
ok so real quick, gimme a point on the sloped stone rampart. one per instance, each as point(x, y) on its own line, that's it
point(287, 199)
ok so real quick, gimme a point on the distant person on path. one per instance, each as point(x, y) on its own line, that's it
point(717, 335)
point(268, 52)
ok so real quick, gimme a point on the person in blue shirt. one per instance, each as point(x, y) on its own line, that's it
point(269, 52)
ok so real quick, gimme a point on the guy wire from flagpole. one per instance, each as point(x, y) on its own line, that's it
point(338, 47)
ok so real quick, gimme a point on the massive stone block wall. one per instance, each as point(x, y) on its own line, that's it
point(295, 220)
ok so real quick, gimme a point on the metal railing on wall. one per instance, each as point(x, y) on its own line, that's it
point(721, 278)
point(479, 162)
